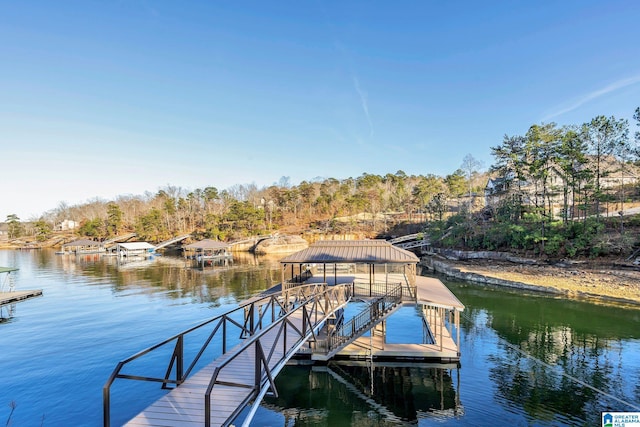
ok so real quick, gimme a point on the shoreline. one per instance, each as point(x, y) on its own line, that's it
point(594, 283)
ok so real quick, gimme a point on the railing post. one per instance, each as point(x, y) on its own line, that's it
point(180, 357)
point(106, 396)
point(304, 319)
point(224, 334)
point(258, 366)
point(284, 340)
point(207, 410)
point(106, 407)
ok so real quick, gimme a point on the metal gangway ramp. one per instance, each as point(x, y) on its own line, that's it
point(251, 344)
point(122, 238)
point(172, 241)
point(386, 301)
point(411, 241)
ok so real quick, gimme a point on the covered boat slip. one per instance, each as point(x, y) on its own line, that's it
point(341, 261)
point(375, 267)
point(82, 246)
point(208, 252)
point(301, 317)
point(134, 249)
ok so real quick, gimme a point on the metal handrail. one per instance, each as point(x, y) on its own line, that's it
point(221, 322)
point(362, 322)
point(256, 319)
point(365, 289)
point(296, 281)
point(333, 298)
point(299, 279)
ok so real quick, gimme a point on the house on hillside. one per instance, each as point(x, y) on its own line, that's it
point(613, 173)
point(497, 188)
point(66, 225)
point(533, 192)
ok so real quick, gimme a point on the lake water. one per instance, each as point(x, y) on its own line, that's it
point(527, 359)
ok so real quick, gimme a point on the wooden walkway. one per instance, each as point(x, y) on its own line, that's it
point(184, 405)
point(15, 296)
point(240, 376)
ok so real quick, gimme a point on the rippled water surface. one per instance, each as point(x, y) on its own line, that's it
point(527, 360)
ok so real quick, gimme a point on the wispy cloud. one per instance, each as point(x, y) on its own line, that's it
point(622, 83)
point(363, 101)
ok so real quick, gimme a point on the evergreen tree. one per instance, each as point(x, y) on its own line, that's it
point(15, 228)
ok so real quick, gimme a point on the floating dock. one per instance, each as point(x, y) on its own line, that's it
point(15, 296)
point(8, 293)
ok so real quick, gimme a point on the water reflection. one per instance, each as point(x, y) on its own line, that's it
point(556, 359)
point(176, 277)
point(350, 394)
point(7, 312)
point(527, 359)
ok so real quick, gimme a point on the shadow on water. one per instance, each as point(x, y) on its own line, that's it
point(339, 394)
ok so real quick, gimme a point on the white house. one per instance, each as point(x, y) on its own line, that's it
point(67, 224)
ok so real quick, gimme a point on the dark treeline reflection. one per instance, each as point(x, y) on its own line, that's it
point(556, 357)
point(339, 394)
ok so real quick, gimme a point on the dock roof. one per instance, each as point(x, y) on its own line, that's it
point(351, 251)
point(132, 246)
point(7, 269)
point(431, 291)
point(82, 242)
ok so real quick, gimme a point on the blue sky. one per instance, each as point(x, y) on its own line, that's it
point(107, 98)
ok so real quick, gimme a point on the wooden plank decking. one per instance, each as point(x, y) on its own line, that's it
point(235, 386)
point(443, 349)
point(184, 405)
point(15, 296)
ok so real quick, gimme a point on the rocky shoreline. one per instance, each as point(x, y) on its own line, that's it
point(603, 282)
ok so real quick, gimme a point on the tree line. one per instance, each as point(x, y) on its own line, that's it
point(246, 210)
point(451, 208)
point(553, 191)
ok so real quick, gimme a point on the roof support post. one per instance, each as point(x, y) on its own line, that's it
point(457, 322)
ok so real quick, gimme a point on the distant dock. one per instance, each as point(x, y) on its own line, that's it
point(16, 296)
point(8, 294)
